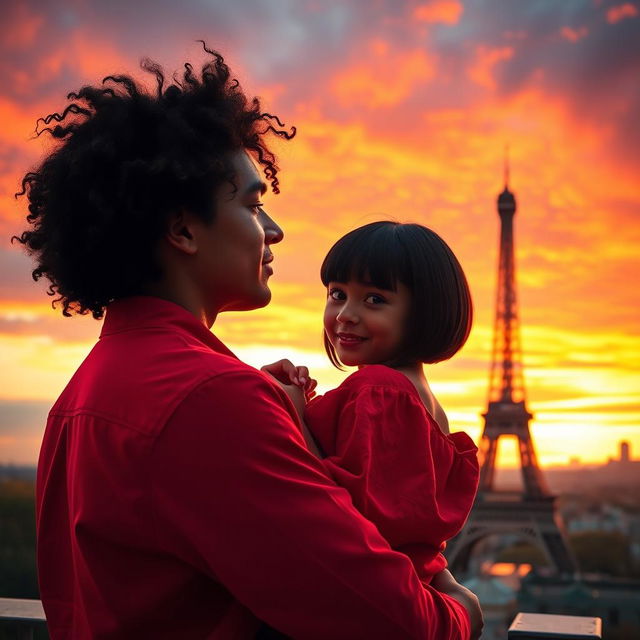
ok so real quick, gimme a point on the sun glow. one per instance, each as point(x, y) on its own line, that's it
point(404, 116)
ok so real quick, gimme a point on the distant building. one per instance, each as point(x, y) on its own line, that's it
point(604, 518)
point(625, 452)
point(634, 537)
point(624, 470)
point(614, 600)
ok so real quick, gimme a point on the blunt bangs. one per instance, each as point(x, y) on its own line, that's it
point(372, 254)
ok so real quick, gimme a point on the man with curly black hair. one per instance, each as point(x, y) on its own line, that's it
point(175, 495)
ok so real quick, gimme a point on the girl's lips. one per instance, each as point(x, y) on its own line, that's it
point(350, 339)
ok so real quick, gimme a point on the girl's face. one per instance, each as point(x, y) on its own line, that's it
point(365, 324)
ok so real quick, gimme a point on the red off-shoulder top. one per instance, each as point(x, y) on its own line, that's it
point(414, 482)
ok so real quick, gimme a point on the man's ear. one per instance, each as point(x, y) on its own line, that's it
point(181, 233)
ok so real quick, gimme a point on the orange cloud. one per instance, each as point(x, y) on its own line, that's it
point(481, 72)
point(573, 35)
point(18, 124)
point(444, 11)
point(386, 80)
point(270, 94)
point(622, 11)
point(89, 57)
point(12, 212)
point(96, 57)
point(23, 28)
point(437, 161)
point(17, 128)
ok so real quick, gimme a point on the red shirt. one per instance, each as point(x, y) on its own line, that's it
point(176, 499)
point(415, 483)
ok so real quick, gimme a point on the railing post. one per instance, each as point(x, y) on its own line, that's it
point(534, 626)
point(23, 615)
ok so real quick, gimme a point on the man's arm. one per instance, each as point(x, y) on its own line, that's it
point(252, 507)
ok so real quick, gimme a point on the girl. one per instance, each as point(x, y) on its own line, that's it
point(397, 298)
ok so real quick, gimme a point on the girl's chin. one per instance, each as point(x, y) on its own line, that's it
point(349, 359)
point(352, 360)
point(354, 357)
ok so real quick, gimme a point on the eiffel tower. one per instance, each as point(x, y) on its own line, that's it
point(530, 514)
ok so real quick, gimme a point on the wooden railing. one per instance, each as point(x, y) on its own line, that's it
point(529, 626)
point(26, 616)
point(23, 616)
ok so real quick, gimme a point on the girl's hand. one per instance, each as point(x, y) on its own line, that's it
point(447, 584)
point(297, 384)
point(286, 374)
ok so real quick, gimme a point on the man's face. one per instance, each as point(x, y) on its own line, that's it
point(233, 251)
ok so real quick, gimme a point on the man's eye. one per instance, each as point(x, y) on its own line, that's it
point(373, 298)
point(336, 294)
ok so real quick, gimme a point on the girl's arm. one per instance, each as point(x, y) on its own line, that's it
point(297, 396)
point(300, 388)
point(444, 582)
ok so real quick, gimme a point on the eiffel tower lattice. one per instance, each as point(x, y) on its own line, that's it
point(531, 514)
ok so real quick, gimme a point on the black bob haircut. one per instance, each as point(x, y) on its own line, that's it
point(385, 253)
point(126, 160)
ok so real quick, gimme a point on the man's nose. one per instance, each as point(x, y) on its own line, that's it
point(272, 232)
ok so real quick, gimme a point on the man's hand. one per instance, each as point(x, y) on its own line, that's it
point(447, 584)
point(287, 374)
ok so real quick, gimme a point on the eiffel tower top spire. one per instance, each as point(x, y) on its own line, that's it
point(506, 167)
point(506, 382)
point(506, 200)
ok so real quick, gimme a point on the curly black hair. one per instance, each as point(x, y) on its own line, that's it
point(128, 158)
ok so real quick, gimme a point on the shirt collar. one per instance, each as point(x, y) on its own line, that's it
point(146, 312)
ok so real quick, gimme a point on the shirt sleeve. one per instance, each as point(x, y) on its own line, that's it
point(237, 494)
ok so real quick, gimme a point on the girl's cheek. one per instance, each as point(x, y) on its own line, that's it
point(329, 316)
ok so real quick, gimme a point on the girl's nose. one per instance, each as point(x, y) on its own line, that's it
point(348, 314)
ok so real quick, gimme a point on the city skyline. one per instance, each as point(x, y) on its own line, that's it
point(403, 111)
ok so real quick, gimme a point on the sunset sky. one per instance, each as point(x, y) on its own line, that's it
point(403, 111)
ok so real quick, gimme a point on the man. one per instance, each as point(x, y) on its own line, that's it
point(175, 495)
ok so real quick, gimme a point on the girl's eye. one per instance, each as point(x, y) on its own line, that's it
point(256, 207)
point(336, 294)
point(374, 298)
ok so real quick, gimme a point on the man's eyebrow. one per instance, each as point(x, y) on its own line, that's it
point(256, 185)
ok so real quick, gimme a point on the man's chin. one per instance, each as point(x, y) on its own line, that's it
point(258, 301)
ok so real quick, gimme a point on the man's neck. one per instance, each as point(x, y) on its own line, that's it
point(184, 296)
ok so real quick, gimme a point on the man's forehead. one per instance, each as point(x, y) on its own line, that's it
point(249, 178)
point(246, 179)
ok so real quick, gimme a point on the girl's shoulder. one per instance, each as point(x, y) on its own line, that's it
point(379, 375)
point(375, 379)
